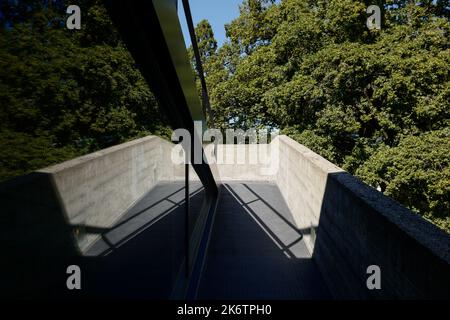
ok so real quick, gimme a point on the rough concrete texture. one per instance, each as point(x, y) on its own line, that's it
point(97, 189)
point(302, 178)
point(360, 227)
point(349, 226)
point(246, 162)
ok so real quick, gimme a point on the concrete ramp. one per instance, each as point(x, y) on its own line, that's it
point(256, 251)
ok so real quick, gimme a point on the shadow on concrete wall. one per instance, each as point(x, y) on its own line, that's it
point(146, 249)
point(142, 259)
point(37, 241)
point(359, 227)
point(252, 253)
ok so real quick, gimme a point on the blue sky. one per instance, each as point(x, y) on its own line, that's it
point(217, 12)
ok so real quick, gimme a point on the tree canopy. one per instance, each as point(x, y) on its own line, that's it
point(375, 102)
point(64, 93)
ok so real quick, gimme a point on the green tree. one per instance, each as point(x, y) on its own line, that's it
point(69, 92)
point(313, 70)
point(416, 173)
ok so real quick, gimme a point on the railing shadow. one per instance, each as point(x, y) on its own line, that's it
point(146, 258)
point(256, 251)
point(38, 244)
point(129, 217)
point(285, 248)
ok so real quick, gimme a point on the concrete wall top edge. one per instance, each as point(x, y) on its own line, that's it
point(98, 154)
point(416, 227)
point(424, 232)
point(315, 158)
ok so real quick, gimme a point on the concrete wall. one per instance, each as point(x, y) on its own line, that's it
point(97, 189)
point(346, 224)
point(349, 226)
point(39, 210)
point(302, 178)
point(244, 162)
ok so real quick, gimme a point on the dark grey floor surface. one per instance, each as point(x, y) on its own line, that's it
point(255, 251)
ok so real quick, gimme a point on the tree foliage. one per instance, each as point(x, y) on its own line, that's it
point(65, 92)
point(363, 99)
point(416, 172)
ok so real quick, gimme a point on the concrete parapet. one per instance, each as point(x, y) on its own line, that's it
point(97, 189)
point(349, 226)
